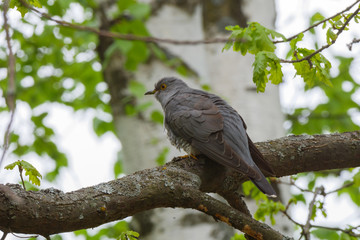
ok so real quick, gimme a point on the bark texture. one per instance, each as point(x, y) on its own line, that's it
point(182, 183)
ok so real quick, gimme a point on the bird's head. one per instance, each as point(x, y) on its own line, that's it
point(166, 88)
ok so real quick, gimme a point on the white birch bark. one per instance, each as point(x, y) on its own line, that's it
point(230, 75)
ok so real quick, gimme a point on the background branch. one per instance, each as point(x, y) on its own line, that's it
point(352, 43)
point(10, 92)
point(318, 23)
point(131, 37)
point(340, 30)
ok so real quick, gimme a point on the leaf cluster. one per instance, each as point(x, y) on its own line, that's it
point(55, 66)
point(258, 40)
point(309, 64)
point(334, 115)
point(119, 231)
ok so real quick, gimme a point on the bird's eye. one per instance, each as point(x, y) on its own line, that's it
point(163, 86)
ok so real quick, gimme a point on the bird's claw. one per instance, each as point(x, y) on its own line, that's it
point(176, 159)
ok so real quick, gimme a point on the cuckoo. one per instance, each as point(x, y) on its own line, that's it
point(202, 123)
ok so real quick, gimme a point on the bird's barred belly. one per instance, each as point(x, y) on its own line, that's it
point(179, 143)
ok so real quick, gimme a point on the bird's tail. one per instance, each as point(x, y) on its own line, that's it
point(264, 186)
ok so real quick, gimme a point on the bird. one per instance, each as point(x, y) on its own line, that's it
point(202, 123)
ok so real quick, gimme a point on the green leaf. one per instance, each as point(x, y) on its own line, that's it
point(137, 89)
point(139, 53)
point(314, 71)
point(101, 127)
point(357, 179)
point(129, 235)
point(157, 117)
point(330, 36)
point(263, 62)
point(23, 9)
point(139, 10)
point(143, 106)
point(353, 192)
point(322, 233)
point(344, 236)
point(260, 72)
point(125, 4)
point(293, 46)
point(332, 115)
point(252, 191)
point(311, 184)
point(298, 198)
point(268, 208)
point(317, 17)
point(130, 110)
point(238, 236)
point(30, 170)
point(111, 232)
point(253, 39)
point(161, 159)
point(182, 70)
point(206, 87)
point(118, 166)
point(30, 187)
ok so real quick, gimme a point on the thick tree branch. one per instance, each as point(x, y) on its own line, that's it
point(176, 184)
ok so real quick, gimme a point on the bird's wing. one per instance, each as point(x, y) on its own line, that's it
point(192, 117)
point(198, 120)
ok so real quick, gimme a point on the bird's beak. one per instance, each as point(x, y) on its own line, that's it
point(151, 92)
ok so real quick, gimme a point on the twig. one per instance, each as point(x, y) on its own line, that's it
point(10, 95)
point(347, 231)
point(308, 57)
point(340, 188)
point(18, 236)
point(307, 226)
point(292, 183)
point(22, 179)
point(129, 37)
point(317, 24)
point(349, 45)
point(4, 235)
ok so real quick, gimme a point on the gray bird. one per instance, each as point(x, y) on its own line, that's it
point(202, 123)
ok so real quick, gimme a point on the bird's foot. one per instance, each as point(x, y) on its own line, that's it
point(176, 159)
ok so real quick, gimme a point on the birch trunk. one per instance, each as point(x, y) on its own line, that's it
point(229, 74)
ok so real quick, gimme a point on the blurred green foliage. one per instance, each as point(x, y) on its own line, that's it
point(60, 65)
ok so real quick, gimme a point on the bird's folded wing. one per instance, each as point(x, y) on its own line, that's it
point(199, 121)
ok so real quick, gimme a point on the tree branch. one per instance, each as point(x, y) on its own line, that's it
point(131, 37)
point(349, 45)
point(318, 23)
point(10, 92)
point(308, 57)
point(176, 184)
point(306, 228)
